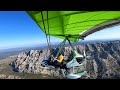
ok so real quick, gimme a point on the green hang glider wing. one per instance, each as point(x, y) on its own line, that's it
point(74, 23)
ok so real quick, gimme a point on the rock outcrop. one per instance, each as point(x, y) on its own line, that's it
point(104, 61)
point(30, 63)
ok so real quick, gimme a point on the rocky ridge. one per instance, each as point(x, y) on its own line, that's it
point(104, 61)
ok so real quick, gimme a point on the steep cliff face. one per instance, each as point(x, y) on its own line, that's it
point(104, 61)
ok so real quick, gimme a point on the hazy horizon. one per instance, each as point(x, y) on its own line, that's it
point(44, 45)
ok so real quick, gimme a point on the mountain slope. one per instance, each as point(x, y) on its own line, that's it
point(104, 61)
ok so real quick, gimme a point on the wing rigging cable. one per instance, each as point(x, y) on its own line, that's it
point(48, 31)
point(48, 38)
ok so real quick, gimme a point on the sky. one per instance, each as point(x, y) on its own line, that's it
point(17, 29)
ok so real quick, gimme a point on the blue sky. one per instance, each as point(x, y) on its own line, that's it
point(17, 29)
point(112, 33)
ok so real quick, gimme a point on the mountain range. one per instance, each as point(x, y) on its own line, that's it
point(104, 61)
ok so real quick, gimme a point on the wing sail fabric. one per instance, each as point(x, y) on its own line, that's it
point(63, 23)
